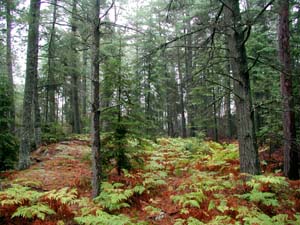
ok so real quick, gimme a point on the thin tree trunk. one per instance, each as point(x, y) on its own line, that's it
point(216, 132)
point(229, 130)
point(96, 155)
point(84, 84)
point(189, 78)
point(74, 77)
point(51, 80)
point(9, 63)
point(31, 70)
point(181, 94)
point(148, 109)
point(37, 113)
point(289, 129)
point(249, 161)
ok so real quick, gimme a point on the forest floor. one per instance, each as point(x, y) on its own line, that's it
point(179, 182)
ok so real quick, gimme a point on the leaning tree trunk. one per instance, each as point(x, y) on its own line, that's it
point(249, 161)
point(96, 156)
point(31, 70)
point(289, 128)
point(9, 63)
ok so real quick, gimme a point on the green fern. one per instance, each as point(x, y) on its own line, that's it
point(189, 221)
point(114, 196)
point(194, 221)
point(152, 180)
point(222, 207)
point(220, 220)
point(103, 218)
point(18, 195)
point(34, 211)
point(262, 218)
point(139, 189)
point(257, 196)
point(192, 199)
point(64, 195)
point(276, 183)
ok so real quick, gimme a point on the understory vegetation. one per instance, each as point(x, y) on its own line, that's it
point(175, 181)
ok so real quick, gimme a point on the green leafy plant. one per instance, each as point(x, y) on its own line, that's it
point(266, 198)
point(115, 196)
point(191, 199)
point(22, 201)
point(34, 211)
point(103, 218)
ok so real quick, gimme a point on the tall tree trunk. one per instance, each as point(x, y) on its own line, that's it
point(84, 84)
point(181, 94)
point(37, 113)
point(31, 70)
point(189, 76)
point(229, 130)
point(289, 128)
point(9, 62)
point(216, 132)
point(96, 155)
point(50, 95)
point(249, 161)
point(148, 108)
point(74, 77)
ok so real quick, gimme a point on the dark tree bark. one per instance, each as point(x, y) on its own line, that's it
point(31, 71)
point(76, 122)
point(51, 87)
point(96, 155)
point(249, 161)
point(9, 62)
point(289, 128)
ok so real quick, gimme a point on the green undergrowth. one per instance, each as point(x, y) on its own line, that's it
point(200, 178)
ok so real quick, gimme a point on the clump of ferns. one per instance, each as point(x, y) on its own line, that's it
point(103, 218)
point(265, 190)
point(193, 196)
point(256, 216)
point(20, 201)
point(116, 195)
